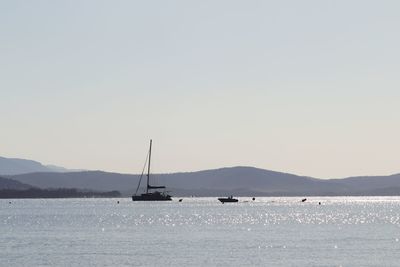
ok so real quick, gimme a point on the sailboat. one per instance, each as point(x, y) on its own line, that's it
point(150, 195)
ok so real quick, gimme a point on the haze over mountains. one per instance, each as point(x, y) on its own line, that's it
point(12, 166)
point(239, 181)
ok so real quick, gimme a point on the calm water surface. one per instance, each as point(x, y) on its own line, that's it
point(342, 231)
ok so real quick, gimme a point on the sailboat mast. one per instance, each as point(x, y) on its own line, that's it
point(148, 169)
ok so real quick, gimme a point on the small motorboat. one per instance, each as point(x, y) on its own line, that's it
point(228, 199)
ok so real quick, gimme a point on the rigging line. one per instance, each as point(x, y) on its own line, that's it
point(141, 176)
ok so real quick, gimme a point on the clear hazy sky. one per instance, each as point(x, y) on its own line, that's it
point(306, 87)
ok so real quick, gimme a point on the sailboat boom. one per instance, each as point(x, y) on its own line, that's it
point(155, 187)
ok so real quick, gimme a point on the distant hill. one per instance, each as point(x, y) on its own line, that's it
point(14, 166)
point(12, 184)
point(91, 180)
point(54, 193)
point(239, 181)
point(370, 183)
point(13, 189)
point(249, 179)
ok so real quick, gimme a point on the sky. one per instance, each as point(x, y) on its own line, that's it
point(304, 87)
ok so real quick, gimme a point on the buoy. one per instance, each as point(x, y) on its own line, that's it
point(254, 198)
point(180, 200)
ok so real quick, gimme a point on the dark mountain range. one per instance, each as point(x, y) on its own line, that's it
point(91, 180)
point(238, 181)
point(10, 166)
point(13, 189)
point(54, 193)
point(370, 183)
point(12, 184)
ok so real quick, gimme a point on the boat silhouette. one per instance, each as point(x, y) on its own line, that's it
point(228, 199)
point(150, 195)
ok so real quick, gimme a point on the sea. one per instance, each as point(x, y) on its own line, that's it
point(269, 231)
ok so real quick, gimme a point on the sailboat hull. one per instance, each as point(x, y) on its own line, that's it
point(155, 196)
